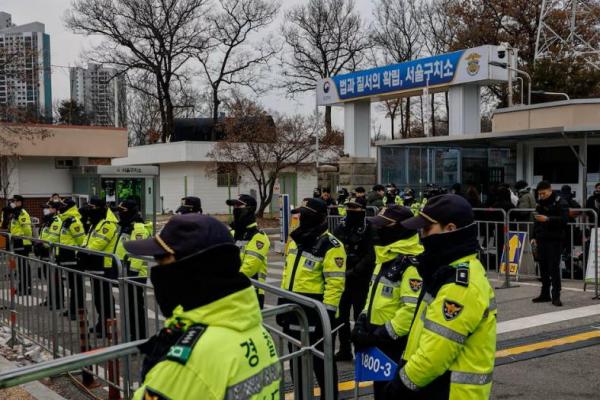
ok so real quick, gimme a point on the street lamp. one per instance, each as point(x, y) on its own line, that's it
point(544, 93)
point(505, 66)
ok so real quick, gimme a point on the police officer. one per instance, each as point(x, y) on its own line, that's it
point(132, 227)
point(342, 197)
point(254, 244)
point(102, 237)
point(50, 232)
point(355, 233)
point(549, 231)
point(20, 225)
point(452, 342)
point(213, 345)
point(395, 287)
point(72, 233)
point(392, 196)
point(315, 266)
point(190, 204)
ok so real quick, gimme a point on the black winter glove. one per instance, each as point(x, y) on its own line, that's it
point(361, 334)
point(332, 319)
point(396, 389)
point(382, 336)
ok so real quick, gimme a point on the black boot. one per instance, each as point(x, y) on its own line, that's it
point(542, 298)
point(556, 300)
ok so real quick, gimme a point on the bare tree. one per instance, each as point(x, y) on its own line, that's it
point(263, 146)
point(233, 58)
point(324, 38)
point(395, 33)
point(155, 36)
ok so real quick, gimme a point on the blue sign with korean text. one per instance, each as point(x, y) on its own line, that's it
point(373, 365)
point(415, 74)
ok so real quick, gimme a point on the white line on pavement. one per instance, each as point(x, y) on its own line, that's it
point(516, 283)
point(547, 318)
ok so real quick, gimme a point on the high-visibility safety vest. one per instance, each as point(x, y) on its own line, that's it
point(139, 231)
point(395, 286)
point(72, 231)
point(51, 233)
point(103, 237)
point(20, 225)
point(318, 272)
point(254, 248)
point(225, 353)
point(397, 200)
point(453, 336)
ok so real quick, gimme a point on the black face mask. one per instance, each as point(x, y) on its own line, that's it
point(355, 219)
point(597, 195)
point(445, 248)
point(193, 281)
point(127, 217)
point(384, 236)
point(96, 215)
point(312, 225)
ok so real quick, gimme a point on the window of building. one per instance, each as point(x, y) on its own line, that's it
point(64, 163)
point(593, 159)
point(227, 175)
point(556, 164)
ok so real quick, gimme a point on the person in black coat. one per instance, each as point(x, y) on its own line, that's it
point(593, 202)
point(355, 233)
point(549, 230)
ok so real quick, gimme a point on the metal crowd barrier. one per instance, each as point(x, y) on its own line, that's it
point(136, 316)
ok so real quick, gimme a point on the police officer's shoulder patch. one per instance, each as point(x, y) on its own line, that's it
point(77, 228)
point(23, 219)
point(334, 241)
point(415, 284)
point(451, 309)
point(151, 394)
point(182, 350)
point(259, 244)
point(339, 261)
point(105, 230)
point(462, 275)
point(54, 227)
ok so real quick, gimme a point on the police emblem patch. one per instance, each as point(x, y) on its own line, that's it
point(151, 394)
point(451, 309)
point(105, 230)
point(77, 229)
point(259, 244)
point(339, 261)
point(54, 227)
point(415, 284)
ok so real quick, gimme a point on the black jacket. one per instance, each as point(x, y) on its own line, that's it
point(557, 210)
point(360, 252)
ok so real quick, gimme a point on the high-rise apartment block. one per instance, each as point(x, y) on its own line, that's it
point(101, 90)
point(25, 71)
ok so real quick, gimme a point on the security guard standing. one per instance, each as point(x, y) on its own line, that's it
point(72, 233)
point(356, 233)
point(20, 225)
point(103, 237)
point(315, 266)
point(395, 287)
point(452, 342)
point(253, 243)
point(189, 205)
point(132, 227)
point(213, 345)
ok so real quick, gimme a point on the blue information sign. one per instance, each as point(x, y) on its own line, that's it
point(373, 365)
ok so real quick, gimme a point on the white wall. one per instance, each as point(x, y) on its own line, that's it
point(200, 184)
point(307, 182)
point(37, 176)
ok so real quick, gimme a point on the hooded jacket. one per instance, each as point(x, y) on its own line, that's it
point(232, 357)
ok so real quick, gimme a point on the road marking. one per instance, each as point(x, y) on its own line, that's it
point(571, 289)
point(547, 318)
point(547, 343)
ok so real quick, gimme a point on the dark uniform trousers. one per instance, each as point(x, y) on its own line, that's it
point(353, 299)
point(549, 253)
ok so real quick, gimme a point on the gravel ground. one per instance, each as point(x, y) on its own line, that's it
point(15, 393)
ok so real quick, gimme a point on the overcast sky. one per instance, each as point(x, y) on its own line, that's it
point(68, 49)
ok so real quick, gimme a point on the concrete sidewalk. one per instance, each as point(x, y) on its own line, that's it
point(31, 390)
